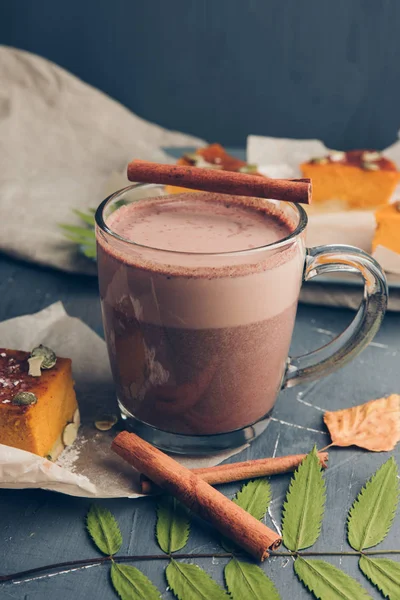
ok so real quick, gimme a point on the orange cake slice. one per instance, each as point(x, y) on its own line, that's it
point(387, 233)
point(358, 179)
point(38, 413)
point(213, 156)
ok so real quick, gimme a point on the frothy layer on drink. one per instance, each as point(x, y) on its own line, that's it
point(199, 223)
point(201, 260)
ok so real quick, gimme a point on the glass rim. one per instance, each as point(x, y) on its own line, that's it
point(100, 222)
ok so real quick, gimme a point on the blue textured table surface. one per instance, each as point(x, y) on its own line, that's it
point(39, 527)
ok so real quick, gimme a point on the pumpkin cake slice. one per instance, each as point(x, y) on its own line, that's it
point(38, 408)
point(387, 232)
point(358, 179)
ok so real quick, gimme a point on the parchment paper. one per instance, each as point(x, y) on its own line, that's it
point(88, 468)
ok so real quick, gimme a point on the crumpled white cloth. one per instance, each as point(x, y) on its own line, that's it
point(60, 140)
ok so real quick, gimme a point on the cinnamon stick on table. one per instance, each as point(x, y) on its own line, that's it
point(242, 470)
point(223, 182)
point(202, 499)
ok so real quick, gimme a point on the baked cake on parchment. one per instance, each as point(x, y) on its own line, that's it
point(38, 408)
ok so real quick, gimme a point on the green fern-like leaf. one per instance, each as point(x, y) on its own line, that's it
point(304, 505)
point(190, 582)
point(327, 582)
point(373, 511)
point(254, 497)
point(246, 581)
point(383, 573)
point(87, 218)
point(89, 250)
point(173, 525)
point(82, 235)
point(77, 232)
point(132, 584)
point(104, 530)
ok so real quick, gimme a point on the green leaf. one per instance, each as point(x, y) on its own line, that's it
point(189, 582)
point(132, 584)
point(303, 509)
point(372, 513)
point(79, 232)
point(327, 582)
point(119, 203)
point(104, 530)
point(80, 240)
point(383, 573)
point(89, 251)
point(85, 236)
point(76, 239)
point(247, 581)
point(173, 525)
point(86, 217)
point(254, 497)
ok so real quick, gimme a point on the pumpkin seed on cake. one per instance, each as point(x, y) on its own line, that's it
point(213, 156)
point(357, 179)
point(38, 408)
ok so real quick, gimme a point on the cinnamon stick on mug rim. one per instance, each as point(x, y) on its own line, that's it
point(222, 182)
point(226, 516)
point(249, 469)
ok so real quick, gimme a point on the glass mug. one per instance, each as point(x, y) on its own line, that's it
point(198, 342)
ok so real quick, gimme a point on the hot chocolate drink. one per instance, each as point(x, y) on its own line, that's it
point(199, 308)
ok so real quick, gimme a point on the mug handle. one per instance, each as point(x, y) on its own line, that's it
point(341, 350)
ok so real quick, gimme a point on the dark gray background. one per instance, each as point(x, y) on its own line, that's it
point(225, 68)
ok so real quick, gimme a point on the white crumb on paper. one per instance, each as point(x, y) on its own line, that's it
point(71, 454)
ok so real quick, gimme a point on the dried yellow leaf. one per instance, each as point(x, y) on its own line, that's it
point(374, 425)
